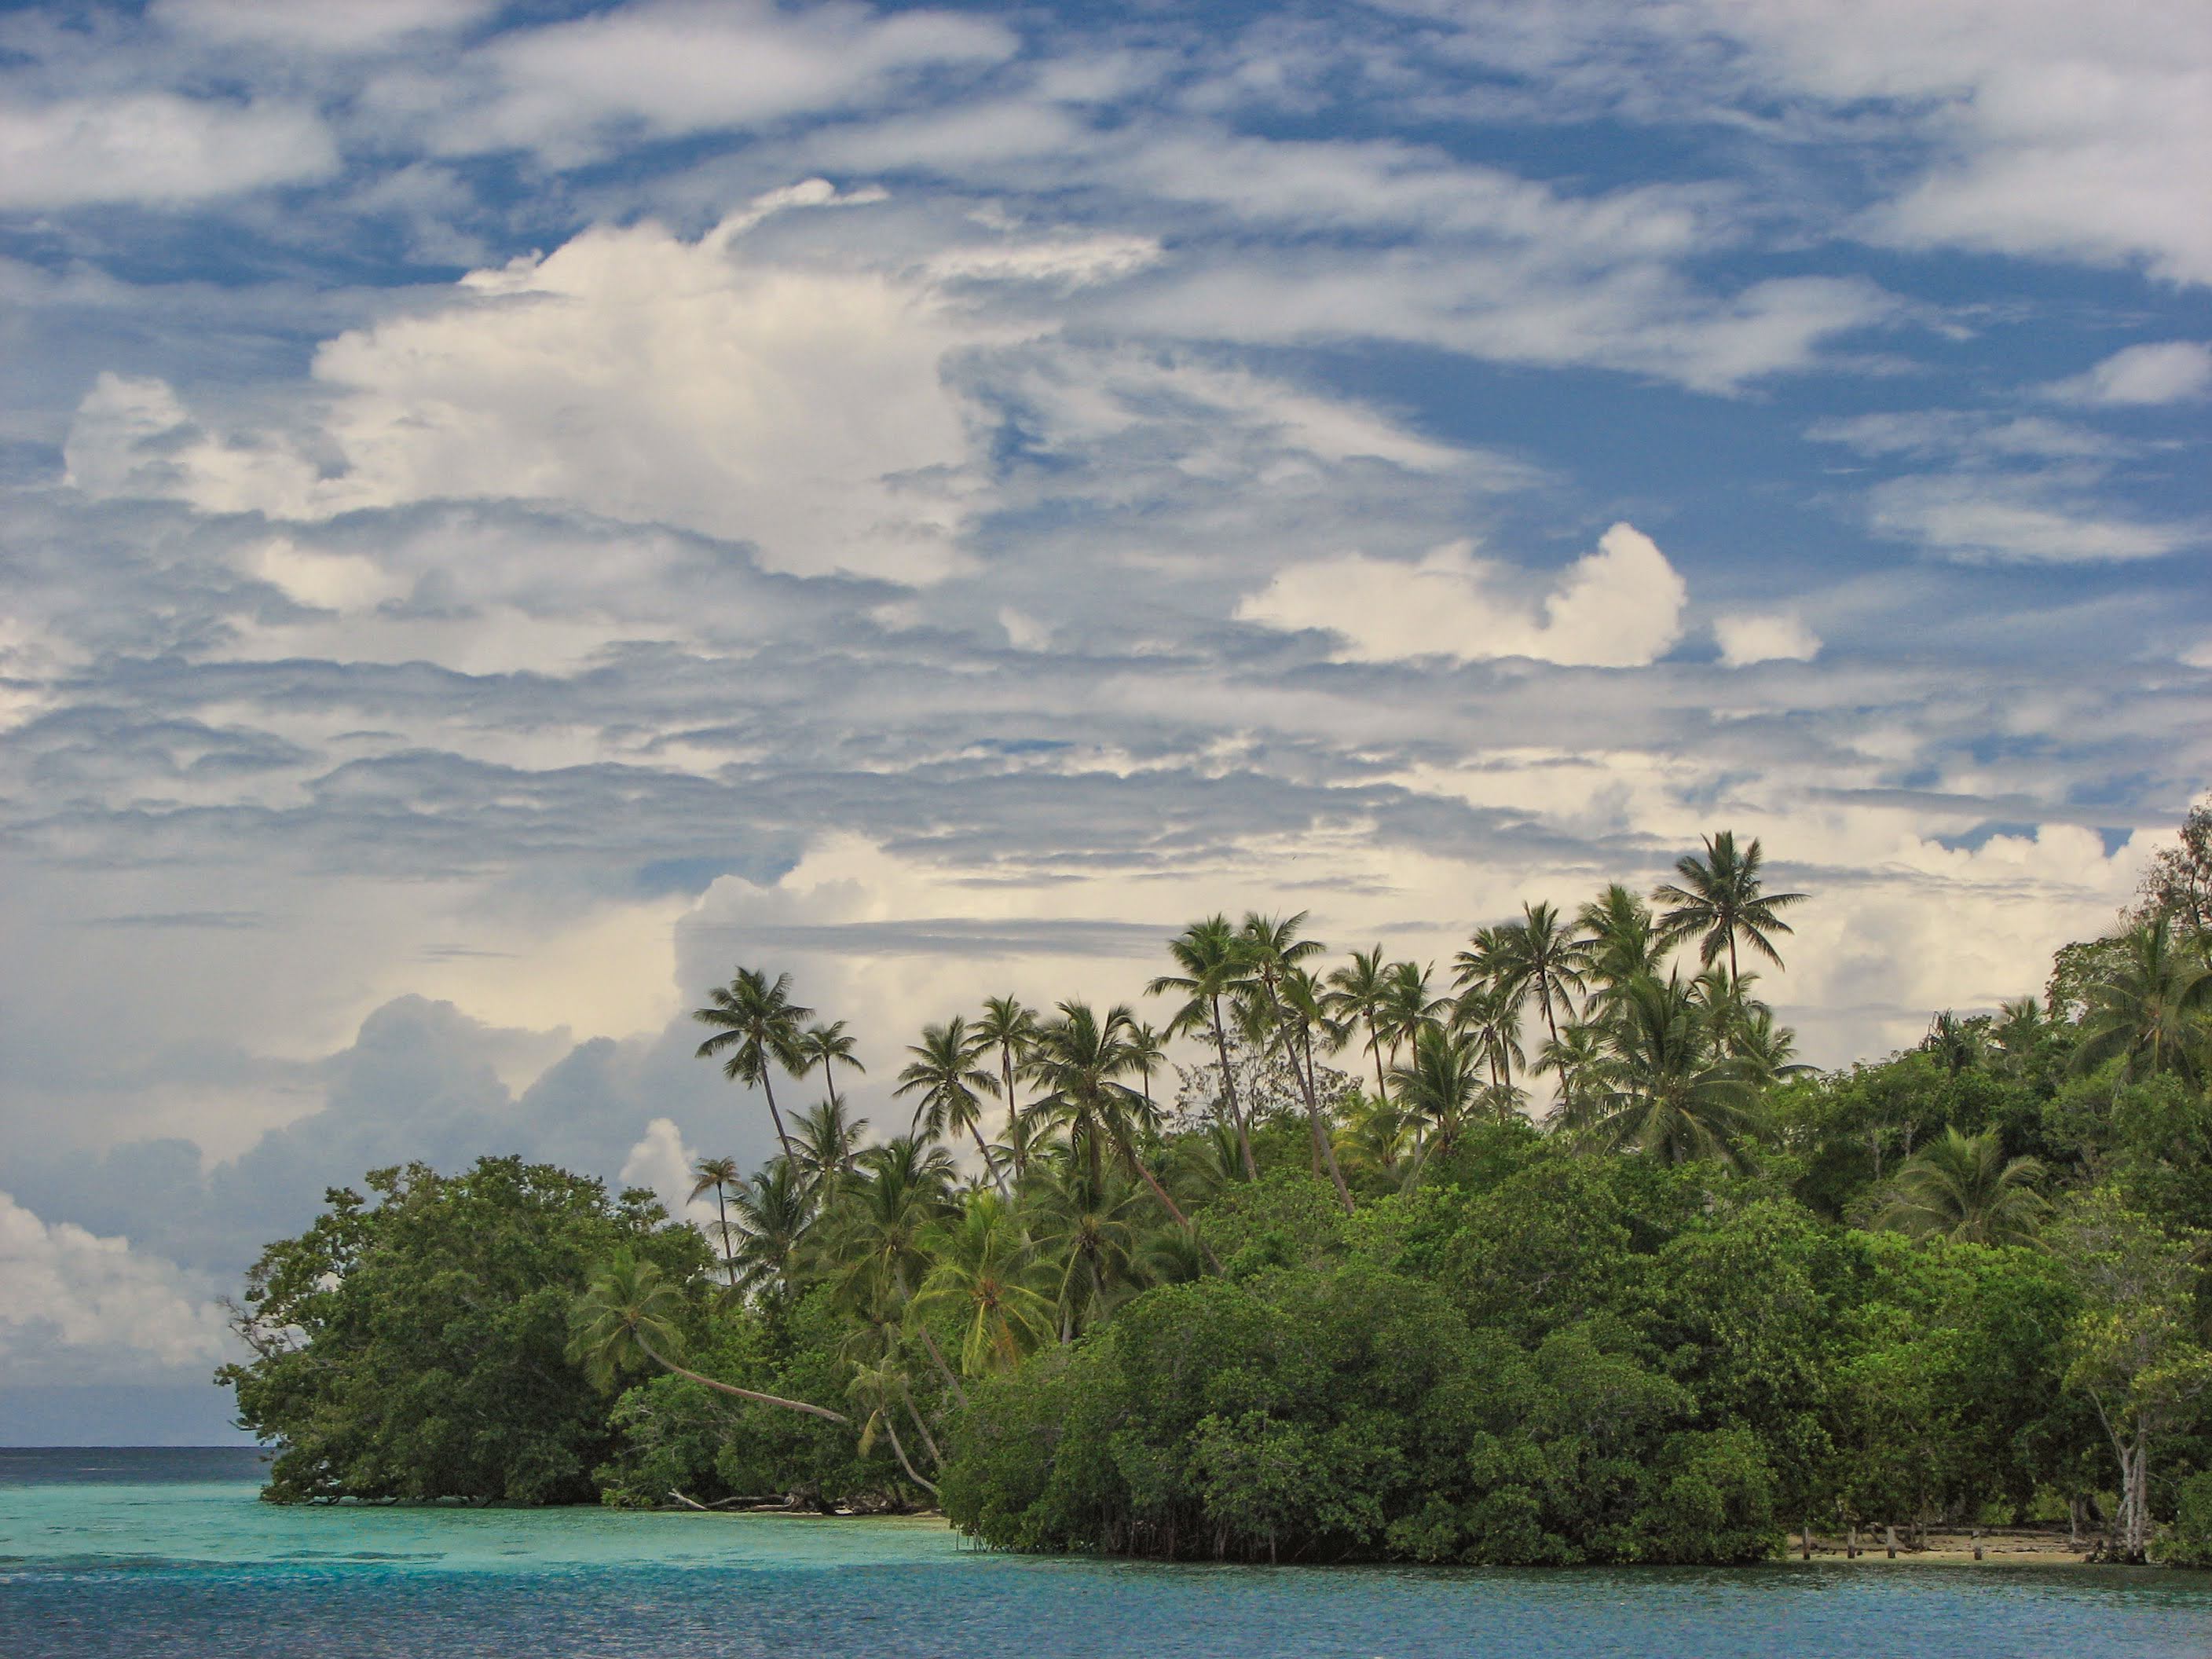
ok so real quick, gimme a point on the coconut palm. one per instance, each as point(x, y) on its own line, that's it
point(2018, 1030)
point(1010, 1029)
point(629, 1310)
point(1410, 1007)
point(826, 1145)
point(1358, 994)
point(1491, 1013)
point(1576, 1057)
point(873, 1245)
point(951, 1085)
point(1956, 1043)
point(1380, 1138)
point(1302, 1015)
point(760, 1028)
point(1080, 1060)
point(718, 1175)
point(828, 1046)
point(878, 1390)
point(1443, 1084)
point(1092, 1236)
point(1147, 1053)
point(1667, 1091)
point(1211, 958)
point(2149, 1006)
point(988, 1277)
point(1537, 954)
point(775, 1210)
point(1963, 1188)
point(1721, 900)
point(1616, 941)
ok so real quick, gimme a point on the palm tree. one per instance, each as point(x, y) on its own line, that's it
point(1080, 1059)
point(1443, 1082)
point(1963, 1188)
point(1720, 898)
point(1956, 1043)
point(1303, 1012)
point(630, 1309)
point(874, 1244)
point(718, 1175)
point(1616, 941)
point(1492, 1014)
point(951, 1085)
point(2149, 1007)
point(1667, 1091)
point(1383, 1140)
point(1090, 1232)
point(2018, 1030)
point(1359, 993)
point(760, 1026)
point(775, 1210)
point(1576, 1058)
point(1409, 1009)
point(828, 1143)
point(1211, 958)
point(1148, 1053)
point(987, 1275)
point(828, 1046)
point(1011, 1030)
point(1541, 956)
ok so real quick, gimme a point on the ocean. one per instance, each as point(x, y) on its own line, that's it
point(167, 1553)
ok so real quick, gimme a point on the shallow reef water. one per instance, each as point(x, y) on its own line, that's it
point(169, 1553)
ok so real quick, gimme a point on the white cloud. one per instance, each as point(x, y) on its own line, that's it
point(69, 1298)
point(154, 147)
point(324, 25)
point(2166, 371)
point(1752, 636)
point(571, 90)
point(661, 1162)
point(629, 372)
point(1620, 607)
point(1999, 518)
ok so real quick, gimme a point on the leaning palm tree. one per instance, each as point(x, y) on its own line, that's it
point(1963, 1188)
point(987, 1276)
point(1721, 900)
point(1010, 1029)
point(951, 1085)
point(1080, 1060)
point(1358, 994)
point(2150, 1007)
point(718, 1175)
point(1212, 961)
point(876, 1389)
point(630, 1309)
point(1669, 1091)
point(760, 1028)
point(828, 1046)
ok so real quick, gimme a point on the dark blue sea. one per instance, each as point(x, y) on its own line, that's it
point(167, 1553)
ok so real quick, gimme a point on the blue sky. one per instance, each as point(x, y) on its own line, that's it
point(512, 510)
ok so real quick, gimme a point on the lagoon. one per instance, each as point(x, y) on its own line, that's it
point(169, 1553)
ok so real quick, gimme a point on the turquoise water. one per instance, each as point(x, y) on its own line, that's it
point(170, 1554)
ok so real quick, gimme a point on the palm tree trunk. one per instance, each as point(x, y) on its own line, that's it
point(1320, 1135)
point(1137, 1164)
point(1374, 1047)
point(975, 1132)
point(928, 1440)
point(1229, 1091)
point(1013, 1112)
point(890, 1432)
point(722, 1209)
point(936, 1353)
point(769, 1088)
point(743, 1393)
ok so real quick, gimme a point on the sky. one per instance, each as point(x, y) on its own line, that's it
point(509, 511)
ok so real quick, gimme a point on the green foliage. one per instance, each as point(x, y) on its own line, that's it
point(416, 1346)
point(2187, 1541)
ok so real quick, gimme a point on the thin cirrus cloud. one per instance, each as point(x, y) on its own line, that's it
point(154, 147)
point(1619, 607)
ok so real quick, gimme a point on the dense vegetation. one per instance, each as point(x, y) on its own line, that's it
point(1306, 1313)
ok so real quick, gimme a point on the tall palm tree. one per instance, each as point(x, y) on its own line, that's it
point(875, 1243)
point(1011, 1030)
point(827, 1144)
point(630, 1309)
point(2149, 1006)
point(1540, 956)
point(1720, 899)
point(760, 1027)
point(1213, 963)
point(718, 1175)
point(1091, 1236)
point(1443, 1082)
point(828, 1046)
point(1410, 1009)
point(1963, 1188)
point(1669, 1091)
point(987, 1274)
point(943, 1072)
point(2018, 1030)
point(1492, 1014)
point(1302, 1014)
point(1080, 1059)
point(1576, 1057)
point(1359, 993)
point(1147, 1053)
point(1616, 941)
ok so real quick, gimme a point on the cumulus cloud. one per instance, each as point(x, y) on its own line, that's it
point(1752, 636)
point(1620, 607)
point(70, 1300)
point(2168, 372)
point(154, 147)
